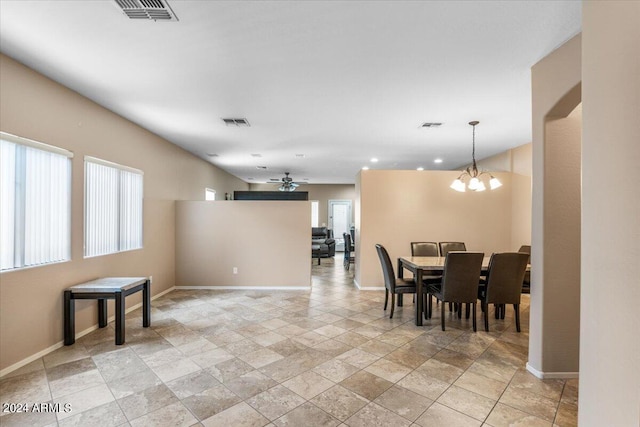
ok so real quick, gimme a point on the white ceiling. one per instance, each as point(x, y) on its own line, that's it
point(340, 82)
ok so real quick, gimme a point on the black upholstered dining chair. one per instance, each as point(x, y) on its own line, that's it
point(526, 282)
point(446, 247)
point(459, 283)
point(392, 284)
point(349, 258)
point(424, 249)
point(503, 284)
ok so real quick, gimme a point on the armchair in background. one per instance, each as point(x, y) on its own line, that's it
point(323, 237)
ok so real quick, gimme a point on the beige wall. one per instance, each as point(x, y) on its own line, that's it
point(322, 193)
point(555, 259)
point(521, 159)
point(518, 161)
point(398, 207)
point(268, 242)
point(610, 295)
point(35, 107)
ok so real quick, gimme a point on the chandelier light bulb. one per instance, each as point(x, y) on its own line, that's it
point(458, 185)
point(474, 183)
point(494, 183)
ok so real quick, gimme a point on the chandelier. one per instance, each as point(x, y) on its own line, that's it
point(472, 174)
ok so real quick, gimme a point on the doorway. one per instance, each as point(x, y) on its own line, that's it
point(339, 220)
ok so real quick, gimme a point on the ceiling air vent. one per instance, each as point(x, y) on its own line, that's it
point(236, 122)
point(155, 10)
point(430, 125)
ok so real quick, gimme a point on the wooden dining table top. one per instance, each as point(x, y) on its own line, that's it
point(434, 262)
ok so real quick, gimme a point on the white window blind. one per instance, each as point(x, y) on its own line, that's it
point(113, 208)
point(35, 203)
point(209, 194)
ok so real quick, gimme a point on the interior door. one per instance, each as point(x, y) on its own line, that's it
point(339, 220)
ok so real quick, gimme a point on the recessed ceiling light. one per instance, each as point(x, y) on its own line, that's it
point(374, 160)
point(437, 161)
point(365, 168)
point(420, 168)
point(256, 155)
point(212, 155)
point(300, 155)
point(261, 167)
point(250, 179)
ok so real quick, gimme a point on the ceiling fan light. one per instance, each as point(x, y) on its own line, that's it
point(494, 183)
point(458, 185)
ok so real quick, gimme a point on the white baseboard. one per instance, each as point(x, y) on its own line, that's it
point(551, 375)
point(368, 288)
point(246, 288)
point(80, 334)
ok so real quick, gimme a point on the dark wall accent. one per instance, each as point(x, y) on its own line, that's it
point(270, 195)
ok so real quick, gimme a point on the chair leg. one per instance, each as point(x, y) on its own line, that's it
point(429, 306)
point(486, 316)
point(400, 300)
point(393, 303)
point(442, 315)
point(503, 309)
point(497, 310)
point(467, 312)
point(450, 306)
point(516, 307)
point(459, 310)
point(386, 298)
point(475, 327)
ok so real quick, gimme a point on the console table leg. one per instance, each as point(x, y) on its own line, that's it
point(102, 313)
point(119, 318)
point(146, 304)
point(69, 319)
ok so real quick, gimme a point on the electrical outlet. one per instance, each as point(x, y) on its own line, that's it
point(235, 270)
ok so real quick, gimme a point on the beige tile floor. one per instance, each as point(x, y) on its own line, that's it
point(328, 357)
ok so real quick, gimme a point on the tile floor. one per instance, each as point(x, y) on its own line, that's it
point(329, 357)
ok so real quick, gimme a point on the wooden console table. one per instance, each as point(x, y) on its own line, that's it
point(116, 288)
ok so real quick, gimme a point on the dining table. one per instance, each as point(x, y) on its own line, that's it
point(422, 266)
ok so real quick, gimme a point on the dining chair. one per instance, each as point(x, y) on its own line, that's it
point(503, 284)
point(392, 284)
point(526, 283)
point(459, 283)
point(424, 249)
point(348, 250)
point(446, 247)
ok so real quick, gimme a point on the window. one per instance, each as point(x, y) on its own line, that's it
point(314, 213)
point(209, 194)
point(112, 207)
point(35, 203)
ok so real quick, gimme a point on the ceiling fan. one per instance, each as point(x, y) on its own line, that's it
point(288, 184)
